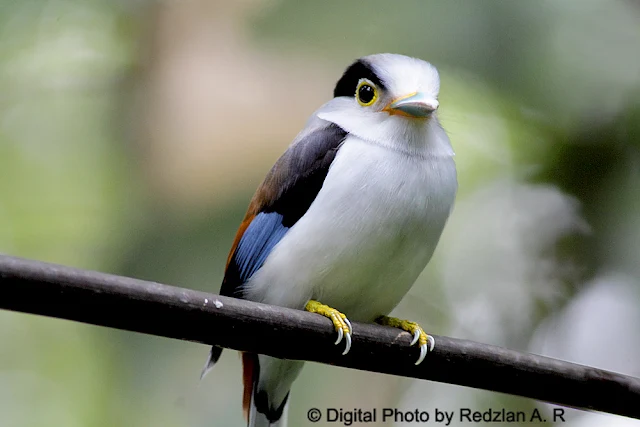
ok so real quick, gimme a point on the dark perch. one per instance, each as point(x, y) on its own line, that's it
point(153, 308)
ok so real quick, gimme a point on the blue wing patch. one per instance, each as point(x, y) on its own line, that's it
point(283, 198)
point(264, 232)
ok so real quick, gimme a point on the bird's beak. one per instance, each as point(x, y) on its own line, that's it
point(415, 105)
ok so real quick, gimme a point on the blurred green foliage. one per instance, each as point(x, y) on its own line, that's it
point(533, 94)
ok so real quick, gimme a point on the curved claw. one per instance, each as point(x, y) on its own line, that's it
point(348, 325)
point(340, 335)
point(416, 336)
point(348, 346)
point(432, 342)
point(347, 336)
point(423, 354)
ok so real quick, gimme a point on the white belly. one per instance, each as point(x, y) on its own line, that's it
point(367, 236)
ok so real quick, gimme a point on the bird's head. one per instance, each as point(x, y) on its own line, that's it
point(391, 100)
point(391, 84)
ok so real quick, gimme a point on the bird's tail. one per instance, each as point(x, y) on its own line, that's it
point(214, 355)
point(266, 389)
point(258, 419)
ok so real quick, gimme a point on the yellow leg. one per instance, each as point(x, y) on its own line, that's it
point(426, 342)
point(340, 321)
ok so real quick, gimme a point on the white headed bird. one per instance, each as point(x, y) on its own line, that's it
point(348, 217)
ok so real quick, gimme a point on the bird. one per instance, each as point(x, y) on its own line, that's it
point(347, 218)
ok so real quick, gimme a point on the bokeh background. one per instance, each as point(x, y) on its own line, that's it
point(133, 133)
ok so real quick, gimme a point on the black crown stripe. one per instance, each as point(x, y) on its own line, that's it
point(348, 83)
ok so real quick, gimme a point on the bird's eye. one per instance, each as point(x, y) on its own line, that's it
point(366, 93)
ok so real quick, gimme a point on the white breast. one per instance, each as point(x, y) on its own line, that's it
point(367, 236)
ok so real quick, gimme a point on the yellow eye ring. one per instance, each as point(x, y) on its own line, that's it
point(366, 93)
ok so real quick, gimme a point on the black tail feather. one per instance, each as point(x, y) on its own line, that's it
point(214, 355)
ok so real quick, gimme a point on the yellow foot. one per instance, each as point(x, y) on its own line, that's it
point(419, 336)
point(340, 321)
